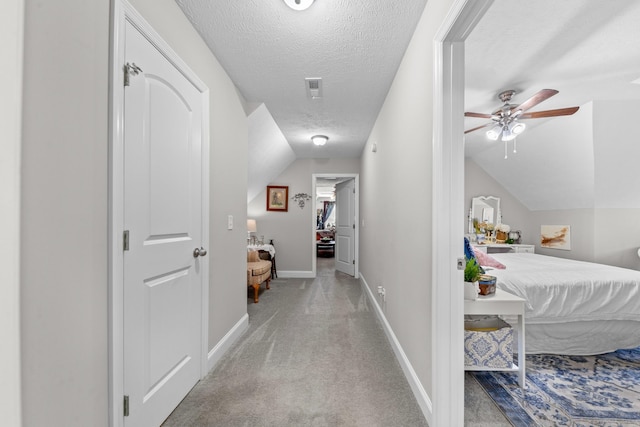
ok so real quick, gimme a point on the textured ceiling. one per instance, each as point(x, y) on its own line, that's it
point(268, 50)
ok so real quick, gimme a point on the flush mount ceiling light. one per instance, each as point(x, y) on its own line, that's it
point(299, 4)
point(319, 139)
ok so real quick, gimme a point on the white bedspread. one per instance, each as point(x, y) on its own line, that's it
point(562, 290)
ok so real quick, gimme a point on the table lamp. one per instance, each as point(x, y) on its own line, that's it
point(251, 228)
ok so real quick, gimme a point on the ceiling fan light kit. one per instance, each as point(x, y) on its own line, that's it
point(506, 123)
point(299, 4)
point(508, 131)
point(507, 135)
point(518, 127)
point(494, 133)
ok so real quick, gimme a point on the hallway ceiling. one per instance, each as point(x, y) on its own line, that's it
point(268, 49)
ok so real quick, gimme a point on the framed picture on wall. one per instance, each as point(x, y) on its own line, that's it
point(555, 237)
point(277, 198)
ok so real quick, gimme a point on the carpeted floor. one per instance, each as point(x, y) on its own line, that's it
point(314, 355)
point(601, 390)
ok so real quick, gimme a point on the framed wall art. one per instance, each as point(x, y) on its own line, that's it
point(555, 237)
point(277, 198)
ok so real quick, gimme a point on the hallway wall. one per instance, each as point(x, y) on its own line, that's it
point(64, 213)
point(64, 269)
point(396, 198)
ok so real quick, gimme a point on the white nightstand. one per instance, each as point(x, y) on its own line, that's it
point(502, 303)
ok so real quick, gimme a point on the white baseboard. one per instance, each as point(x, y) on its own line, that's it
point(216, 353)
point(414, 382)
point(295, 275)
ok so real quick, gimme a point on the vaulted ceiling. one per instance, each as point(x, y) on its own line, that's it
point(586, 49)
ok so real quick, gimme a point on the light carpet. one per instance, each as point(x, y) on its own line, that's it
point(315, 354)
point(602, 390)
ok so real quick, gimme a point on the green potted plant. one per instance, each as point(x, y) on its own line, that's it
point(472, 273)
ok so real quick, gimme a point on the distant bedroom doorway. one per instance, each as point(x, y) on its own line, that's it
point(335, 215)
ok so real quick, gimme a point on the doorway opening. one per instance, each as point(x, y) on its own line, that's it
point(448, 192)
point(335, 218)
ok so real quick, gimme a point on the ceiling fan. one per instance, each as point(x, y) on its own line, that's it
point(506, 119)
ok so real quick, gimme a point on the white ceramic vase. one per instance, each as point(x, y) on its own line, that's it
point(471, 290)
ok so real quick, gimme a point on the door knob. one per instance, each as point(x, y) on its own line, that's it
point(199, 252)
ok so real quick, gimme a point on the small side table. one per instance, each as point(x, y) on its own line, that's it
point(502, 303)
point(325, 248)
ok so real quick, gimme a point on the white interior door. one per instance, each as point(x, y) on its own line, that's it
point(345, 226)
point(163, 216)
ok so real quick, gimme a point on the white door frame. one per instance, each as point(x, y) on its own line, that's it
point(122, 11)
point(313, 218)
point(11, 46)
point(448, 206)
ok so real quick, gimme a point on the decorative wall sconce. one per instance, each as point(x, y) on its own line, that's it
point(301, 199)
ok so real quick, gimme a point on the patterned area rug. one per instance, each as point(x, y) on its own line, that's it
point(583, 391)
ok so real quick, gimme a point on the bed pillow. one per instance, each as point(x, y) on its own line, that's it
point(487, 260)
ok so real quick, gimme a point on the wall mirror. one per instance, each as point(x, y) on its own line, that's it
point(486, 209)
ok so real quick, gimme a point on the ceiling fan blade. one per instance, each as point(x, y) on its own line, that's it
point(536, 99)
point(480, 115)
point(479, 127)
point(549, 113)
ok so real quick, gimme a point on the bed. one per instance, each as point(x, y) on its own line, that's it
point(572, 307)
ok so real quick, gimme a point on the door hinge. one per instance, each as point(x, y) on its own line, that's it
point(129, 70)
point(125, 240)
point(126, 405)
point(354, 226)
point(353, 262)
